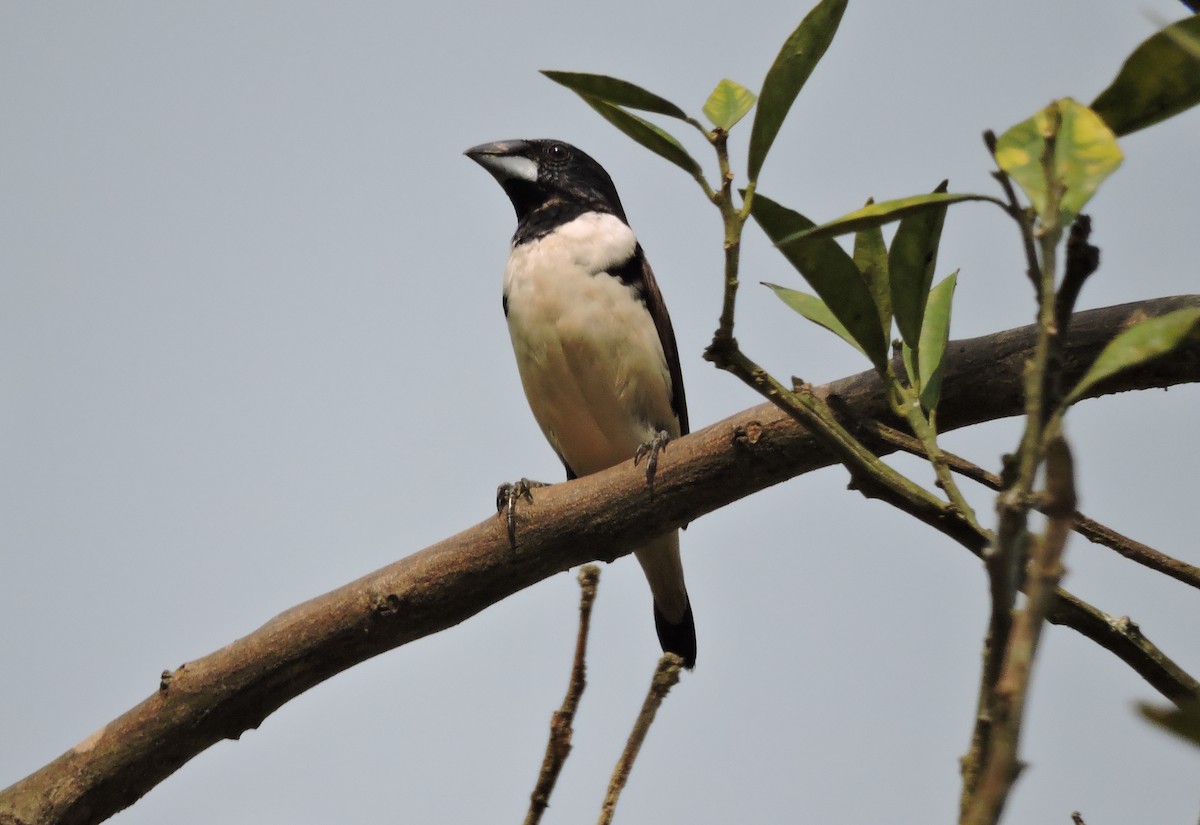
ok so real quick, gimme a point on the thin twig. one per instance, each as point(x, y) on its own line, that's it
point(1089, 528)
point(559, 745)
point(1122, 637)
point(666, 675)
point(734, 221)
point(1136, 551)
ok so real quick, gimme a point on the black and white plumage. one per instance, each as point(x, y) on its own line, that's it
point(592, 337)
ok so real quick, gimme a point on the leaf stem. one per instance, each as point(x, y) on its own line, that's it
point(906, 403)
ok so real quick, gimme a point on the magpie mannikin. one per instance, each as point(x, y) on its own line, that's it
point(593, 341)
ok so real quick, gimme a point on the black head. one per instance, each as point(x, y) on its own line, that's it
point(548, 174)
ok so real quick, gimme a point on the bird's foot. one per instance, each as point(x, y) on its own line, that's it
point(507, 496)
point(649, 451)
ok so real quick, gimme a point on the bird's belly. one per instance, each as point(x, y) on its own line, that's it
point(592, 365)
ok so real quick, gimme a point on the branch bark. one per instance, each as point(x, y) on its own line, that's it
point(603, 516)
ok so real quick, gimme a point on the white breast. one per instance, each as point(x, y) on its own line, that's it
point(587, 350)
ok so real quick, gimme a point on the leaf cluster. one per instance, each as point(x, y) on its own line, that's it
point(878, 291)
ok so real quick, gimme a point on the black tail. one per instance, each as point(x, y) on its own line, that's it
point(677, 637)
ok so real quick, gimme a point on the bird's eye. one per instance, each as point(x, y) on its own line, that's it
point(557, 151)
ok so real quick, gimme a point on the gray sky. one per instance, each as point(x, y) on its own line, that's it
point(251, 348)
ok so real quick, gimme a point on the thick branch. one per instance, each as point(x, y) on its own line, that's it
point(598, 517)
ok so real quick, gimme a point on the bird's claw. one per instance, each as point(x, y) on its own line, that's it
point(649, 450)
point(507, 496)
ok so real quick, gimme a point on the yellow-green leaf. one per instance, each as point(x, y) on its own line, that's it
point(1085, 153)
point(815, 310)
point(728, 104)
point(788, 74)
point(1160, 79)
point(1145, 341)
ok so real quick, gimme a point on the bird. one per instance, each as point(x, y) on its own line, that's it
point(593, 342)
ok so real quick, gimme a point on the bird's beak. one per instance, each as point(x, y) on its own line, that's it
point(505, 160)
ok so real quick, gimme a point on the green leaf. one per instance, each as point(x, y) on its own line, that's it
point(615, 91)
point(646, 133)
point(878, 214)
point(1182, 721)
point(830, 271)
point(815, 310)
point(1145, 341)
point(788, 74)
point(911, 263)
point(728, 104)
point(935, 333)
point(871, 258)
point(1159, 80)
point(1085, 153)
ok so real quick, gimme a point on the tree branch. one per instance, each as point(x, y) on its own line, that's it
point(602, 516)
point(1001, 765)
